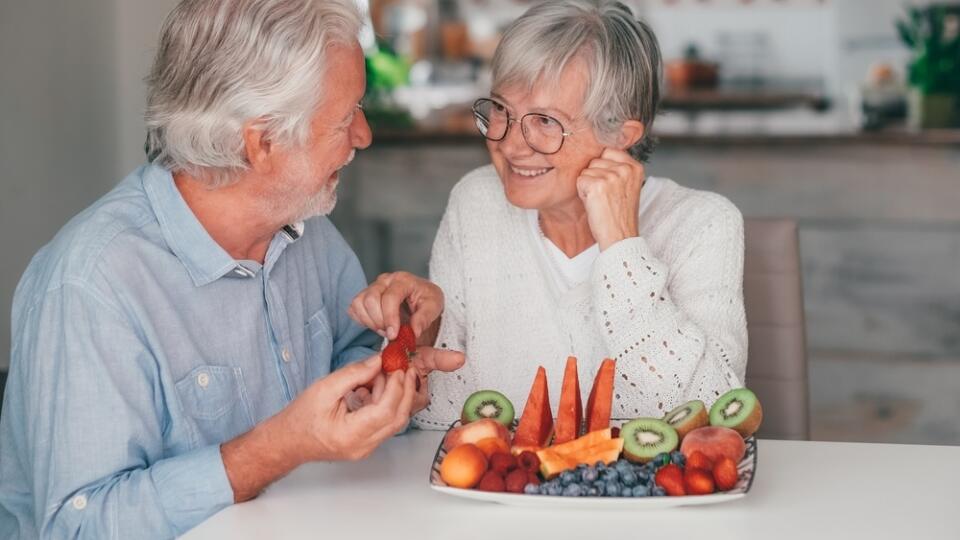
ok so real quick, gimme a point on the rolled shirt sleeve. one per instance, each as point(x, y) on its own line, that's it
point(99, 468)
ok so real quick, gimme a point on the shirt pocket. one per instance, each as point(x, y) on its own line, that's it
point(215, 398)
point(319, 345)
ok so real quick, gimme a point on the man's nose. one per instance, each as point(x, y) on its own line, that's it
point(360, 134)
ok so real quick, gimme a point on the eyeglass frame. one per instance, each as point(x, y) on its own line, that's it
point(563, 132)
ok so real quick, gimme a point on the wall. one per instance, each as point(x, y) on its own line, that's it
point(71, 99)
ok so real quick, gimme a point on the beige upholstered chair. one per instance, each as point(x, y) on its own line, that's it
point(777, 358)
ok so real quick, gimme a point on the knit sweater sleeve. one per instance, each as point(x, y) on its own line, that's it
point(678, 332)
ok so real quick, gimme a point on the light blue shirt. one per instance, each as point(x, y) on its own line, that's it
point(140, 345)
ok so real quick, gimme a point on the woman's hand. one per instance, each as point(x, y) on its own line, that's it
point(610, 190)
point(379, 306)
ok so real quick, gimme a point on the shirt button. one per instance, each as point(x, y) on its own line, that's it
point(286, 354)
point(80, 502)
point(203, 380)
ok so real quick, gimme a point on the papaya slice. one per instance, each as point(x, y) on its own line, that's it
point(553, 463)
point(536, 422)
point(600, 402)
point(590, 439)
point(570, 410)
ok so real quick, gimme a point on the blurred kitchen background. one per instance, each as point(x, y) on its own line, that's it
point(841, 114)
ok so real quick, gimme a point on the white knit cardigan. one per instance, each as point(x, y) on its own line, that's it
point(667, 305)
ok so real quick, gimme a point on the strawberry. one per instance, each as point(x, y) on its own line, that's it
point(670, 478)
point(529, 461)
point(532, 478)
point(502, 463)
point(394, 358)
point(491, 481)
point(699, 460)
point(516, 480)
point(698, 481)
point(725, 474)
point(407, 338)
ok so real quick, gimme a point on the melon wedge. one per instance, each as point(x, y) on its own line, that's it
point(600, 402)
point(536, 423)
point(553, 463)
point(570, 410)
point(588, 440)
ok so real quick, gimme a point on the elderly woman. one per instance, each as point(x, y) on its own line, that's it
point(564, 246)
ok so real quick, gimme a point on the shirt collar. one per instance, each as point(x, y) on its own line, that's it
point(204, 259)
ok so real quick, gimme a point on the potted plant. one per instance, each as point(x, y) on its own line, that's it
point(933, 34)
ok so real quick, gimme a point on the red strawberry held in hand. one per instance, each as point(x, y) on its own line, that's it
point(396, 355)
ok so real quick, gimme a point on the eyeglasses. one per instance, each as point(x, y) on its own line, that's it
point(544, 134)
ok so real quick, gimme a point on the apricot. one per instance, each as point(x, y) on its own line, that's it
point(492, 445)
point(714, 442)
point(463, 467)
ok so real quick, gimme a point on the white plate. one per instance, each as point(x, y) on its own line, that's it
point(746, 469)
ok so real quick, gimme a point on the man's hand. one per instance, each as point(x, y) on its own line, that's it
point(610, 190)
point(379, 306)
point(318, 426)
point(426, 361)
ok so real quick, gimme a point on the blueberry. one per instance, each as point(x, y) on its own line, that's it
point(567, 478)
point(600, 466)
point(572, 490)
point(677, 458)
point(592, 491)
point(658, 491)
point(612, 489)
point(629, 478)
point(661, 459)
point(589, 475)
point(554, 490)
point(643, 476)
point(531, 489)
point(610, 475)
point(622, 466)
point(640, 491)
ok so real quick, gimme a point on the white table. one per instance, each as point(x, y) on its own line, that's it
point(801, 490)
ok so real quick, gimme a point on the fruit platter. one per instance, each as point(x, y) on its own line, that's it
point(582, 457)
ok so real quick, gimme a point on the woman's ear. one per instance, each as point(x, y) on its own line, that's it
point(630, 133)
point(257, 147)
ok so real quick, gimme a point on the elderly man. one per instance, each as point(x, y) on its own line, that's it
point(173, 345)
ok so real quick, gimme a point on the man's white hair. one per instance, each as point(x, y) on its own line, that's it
point(222, 63)
point(622, 54)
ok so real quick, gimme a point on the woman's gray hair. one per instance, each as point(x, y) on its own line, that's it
point(222, 63)
point(621, 52)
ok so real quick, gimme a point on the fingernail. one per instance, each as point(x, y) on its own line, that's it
point(392, 332)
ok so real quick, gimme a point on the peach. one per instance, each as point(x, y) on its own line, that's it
point(715, 443)
point(463, 467)
point(474, 432)
point(492, 445)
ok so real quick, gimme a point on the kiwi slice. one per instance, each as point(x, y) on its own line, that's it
point(738, 409)
point(487, 404)
point(644, 438)
point(688, 417)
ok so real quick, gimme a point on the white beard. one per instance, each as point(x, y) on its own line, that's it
point(320, 204)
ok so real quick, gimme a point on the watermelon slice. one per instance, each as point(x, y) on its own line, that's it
point(570, 411)
point(536, 422)
point(600, 402)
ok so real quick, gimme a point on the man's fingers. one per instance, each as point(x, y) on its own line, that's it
point(398, 291)
point(349, 377)
point(429, 359)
